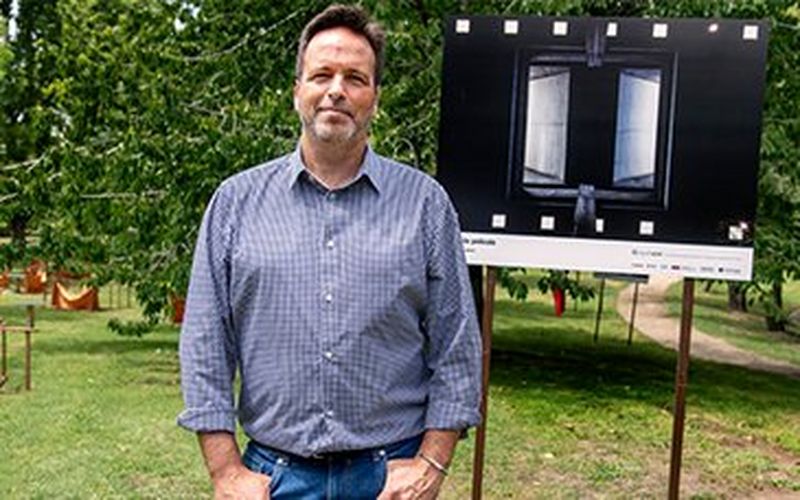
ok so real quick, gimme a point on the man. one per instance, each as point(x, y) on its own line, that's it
point(335, 281)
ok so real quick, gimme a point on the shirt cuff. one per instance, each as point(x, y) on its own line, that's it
point(208, 420)
point(452, 416)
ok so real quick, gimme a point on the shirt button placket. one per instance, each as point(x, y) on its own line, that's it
point(328, 266)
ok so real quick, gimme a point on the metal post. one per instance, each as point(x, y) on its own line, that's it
point(681, 380)
point(28, 330)
point(27, 359)
point(3, 354)
point(480, 435)
point(633, 312)
point(599, 309)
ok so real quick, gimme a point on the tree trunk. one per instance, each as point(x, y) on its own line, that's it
point(737, 296)
point(776, 321)
point(19, 228)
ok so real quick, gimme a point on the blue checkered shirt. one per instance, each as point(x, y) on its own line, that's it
point(347, 312)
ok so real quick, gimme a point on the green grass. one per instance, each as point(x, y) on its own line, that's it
point(747, 331)
point(568, 418)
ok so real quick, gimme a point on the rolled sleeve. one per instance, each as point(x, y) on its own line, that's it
point(207, 347)
point(454, 353)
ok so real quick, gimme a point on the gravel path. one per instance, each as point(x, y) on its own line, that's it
point(653, 321)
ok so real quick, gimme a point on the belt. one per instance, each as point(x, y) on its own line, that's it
point(343, 455)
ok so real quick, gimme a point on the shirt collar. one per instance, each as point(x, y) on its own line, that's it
point(370, 168)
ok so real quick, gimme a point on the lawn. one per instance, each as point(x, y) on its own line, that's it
point(568, 418)
point(747, 331)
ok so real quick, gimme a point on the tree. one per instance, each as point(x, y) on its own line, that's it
point(120, 117)
point(27, 119)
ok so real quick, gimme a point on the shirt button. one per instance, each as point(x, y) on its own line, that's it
point(332, 196)
point(329, 244)
point(329, 354)
point(329, 413)
point(328, 297)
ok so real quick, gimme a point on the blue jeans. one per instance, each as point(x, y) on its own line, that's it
point(349, 475)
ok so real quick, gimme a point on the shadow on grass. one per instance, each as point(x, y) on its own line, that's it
point(16, 314)
point(612, 369)
point(111, 346)
point(530, 350)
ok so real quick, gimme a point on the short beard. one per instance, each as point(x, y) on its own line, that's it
point(333, 134)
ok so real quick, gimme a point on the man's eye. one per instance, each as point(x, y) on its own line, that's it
point(360, 79)
point(319, 77)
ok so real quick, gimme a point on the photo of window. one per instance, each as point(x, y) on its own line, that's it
point(546, 131)
point(637, 127)
point(604, 125)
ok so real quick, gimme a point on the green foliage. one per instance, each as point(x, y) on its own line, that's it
point(515, 282)
point(561, 280)
point(130, 328)
point(118, 119)
point(5, 50)
point(516, 288)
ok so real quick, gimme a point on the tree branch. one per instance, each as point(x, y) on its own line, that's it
point(156, 193)
point(31, 164)
point(236, 46)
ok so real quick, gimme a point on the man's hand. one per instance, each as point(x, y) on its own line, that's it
point(231, 479)
point(240, 483)
point(411, 478)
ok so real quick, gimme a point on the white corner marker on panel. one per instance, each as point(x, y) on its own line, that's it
point(660, 30)
point(560, 28)
point(499, 221)
point(547, 223)
point(646, 228)
point(611, 30)
point(462, 26)
point(750, 32)
point(599, 225)
point(511, 27)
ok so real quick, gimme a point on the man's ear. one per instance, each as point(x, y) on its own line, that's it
point(377, 101)
point(294, 94)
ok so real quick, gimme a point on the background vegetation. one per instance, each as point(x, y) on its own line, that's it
point(118, 118)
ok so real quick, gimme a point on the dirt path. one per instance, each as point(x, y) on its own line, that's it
point(653, 321)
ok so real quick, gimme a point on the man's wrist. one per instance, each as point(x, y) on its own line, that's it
point(226, 472)
point(439, 445)
point(435, 464)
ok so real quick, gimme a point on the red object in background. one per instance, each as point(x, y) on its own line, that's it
point(559, 301)
point(87, 299)
point(35, 277)
point(178, 307)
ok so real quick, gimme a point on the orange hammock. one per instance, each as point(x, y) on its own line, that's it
point(86, 299)
point(35, 278)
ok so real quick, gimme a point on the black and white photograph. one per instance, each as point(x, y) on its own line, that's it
point(599, 131)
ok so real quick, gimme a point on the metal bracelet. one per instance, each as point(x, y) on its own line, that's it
point(433, 463)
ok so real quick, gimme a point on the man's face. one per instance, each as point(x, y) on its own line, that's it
point(335, 95)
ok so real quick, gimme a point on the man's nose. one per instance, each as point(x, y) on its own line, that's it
point(336, 88)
